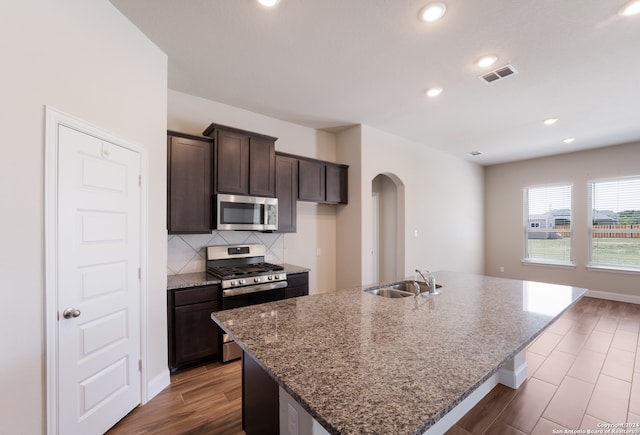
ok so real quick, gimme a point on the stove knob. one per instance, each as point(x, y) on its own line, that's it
point(233, 283)
point(277, 276)
point(242, 282)
point(256, 279)
point(270, 277)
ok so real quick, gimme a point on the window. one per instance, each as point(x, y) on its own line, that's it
point(615, 223)
point(547, 235)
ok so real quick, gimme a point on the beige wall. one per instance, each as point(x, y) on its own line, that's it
point(316, 222)
point(349, 218)
point(443, 203)
point(504, 212)
point(84, 58)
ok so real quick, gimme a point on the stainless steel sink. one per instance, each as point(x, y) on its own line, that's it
point(409, 286)
point(388, 292)
point(400, 289)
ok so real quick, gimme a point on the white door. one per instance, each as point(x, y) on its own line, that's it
point(99, 234)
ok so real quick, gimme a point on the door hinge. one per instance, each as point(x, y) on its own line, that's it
point(139, 273)
point(139, 180)
point(140, 364)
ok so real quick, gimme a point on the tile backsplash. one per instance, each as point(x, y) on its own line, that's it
point(187, 253)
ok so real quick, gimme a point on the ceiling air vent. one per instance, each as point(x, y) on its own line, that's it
point(500, 73)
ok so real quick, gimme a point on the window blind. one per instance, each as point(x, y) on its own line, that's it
point(615, 223)
point(548, 228)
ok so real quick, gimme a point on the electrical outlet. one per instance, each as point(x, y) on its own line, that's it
point(501, 269)
point(292, 426)
point(318, 252)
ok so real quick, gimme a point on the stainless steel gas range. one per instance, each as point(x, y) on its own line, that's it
point(246, 279)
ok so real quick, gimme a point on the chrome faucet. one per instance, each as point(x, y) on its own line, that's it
point(430, 281)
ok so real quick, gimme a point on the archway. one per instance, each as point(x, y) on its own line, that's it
point(387, 222)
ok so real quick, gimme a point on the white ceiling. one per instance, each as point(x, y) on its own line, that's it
point(328, 64)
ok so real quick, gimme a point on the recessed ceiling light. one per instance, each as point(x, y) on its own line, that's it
point(569, 140)
point(487, 61)
point(550, 121)
point(432, 12)
point(631, 8)
point(433, 92)
point(268, 3)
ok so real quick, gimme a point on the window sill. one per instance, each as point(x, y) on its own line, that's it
point(614, 269)
point(548, 263)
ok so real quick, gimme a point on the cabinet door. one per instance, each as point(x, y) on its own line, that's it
point(262, 163)
point(189, 185)
point(196, 336)
point(311, 180)
point(287, 193)
point(298, 285)
point(232, 163)
point(336, 183)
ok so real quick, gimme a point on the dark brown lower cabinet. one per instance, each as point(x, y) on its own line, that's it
point(260, 415)
point(298, 285)
point(193, 337)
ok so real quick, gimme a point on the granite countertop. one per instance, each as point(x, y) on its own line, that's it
point(186, 280)
point(360, 363)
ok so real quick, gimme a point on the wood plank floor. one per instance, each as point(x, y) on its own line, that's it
point(203, 400)
point(584, 371)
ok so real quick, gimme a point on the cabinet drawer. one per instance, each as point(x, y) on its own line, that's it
point(196, 295)
point(298, 279)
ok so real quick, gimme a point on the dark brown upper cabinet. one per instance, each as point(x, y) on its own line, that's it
point(324, 182)
point(189, 184)
point(232, 162)
point(287, 192)
point(337, 180)
point(262, 166)
point(311, 180)
point(245, 161)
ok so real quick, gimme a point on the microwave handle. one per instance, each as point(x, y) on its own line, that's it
point(267, 207)
point(265, 218)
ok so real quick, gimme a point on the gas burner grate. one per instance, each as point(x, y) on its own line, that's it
point(227, 272)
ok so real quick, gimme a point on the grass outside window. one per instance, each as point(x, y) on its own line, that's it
point(617, 252)
point(549, 249)
point(604, 251)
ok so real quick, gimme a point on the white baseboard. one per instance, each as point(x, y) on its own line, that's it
point(157, 384)
point(618, 297)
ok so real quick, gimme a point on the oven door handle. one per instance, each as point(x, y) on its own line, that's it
point(253, 288)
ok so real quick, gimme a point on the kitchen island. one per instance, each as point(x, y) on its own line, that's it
point(362, 363)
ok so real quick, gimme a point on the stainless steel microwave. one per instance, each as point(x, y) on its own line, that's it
point(253, 213)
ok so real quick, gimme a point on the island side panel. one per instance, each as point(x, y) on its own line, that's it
point(260, 414)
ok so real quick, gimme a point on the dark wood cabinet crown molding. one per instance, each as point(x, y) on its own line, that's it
point(209, 131)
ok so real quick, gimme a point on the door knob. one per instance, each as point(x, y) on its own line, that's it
point(70, 313)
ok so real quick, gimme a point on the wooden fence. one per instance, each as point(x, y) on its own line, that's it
point(606, 231)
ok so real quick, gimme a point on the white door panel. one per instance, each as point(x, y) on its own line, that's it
point(98, 274)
